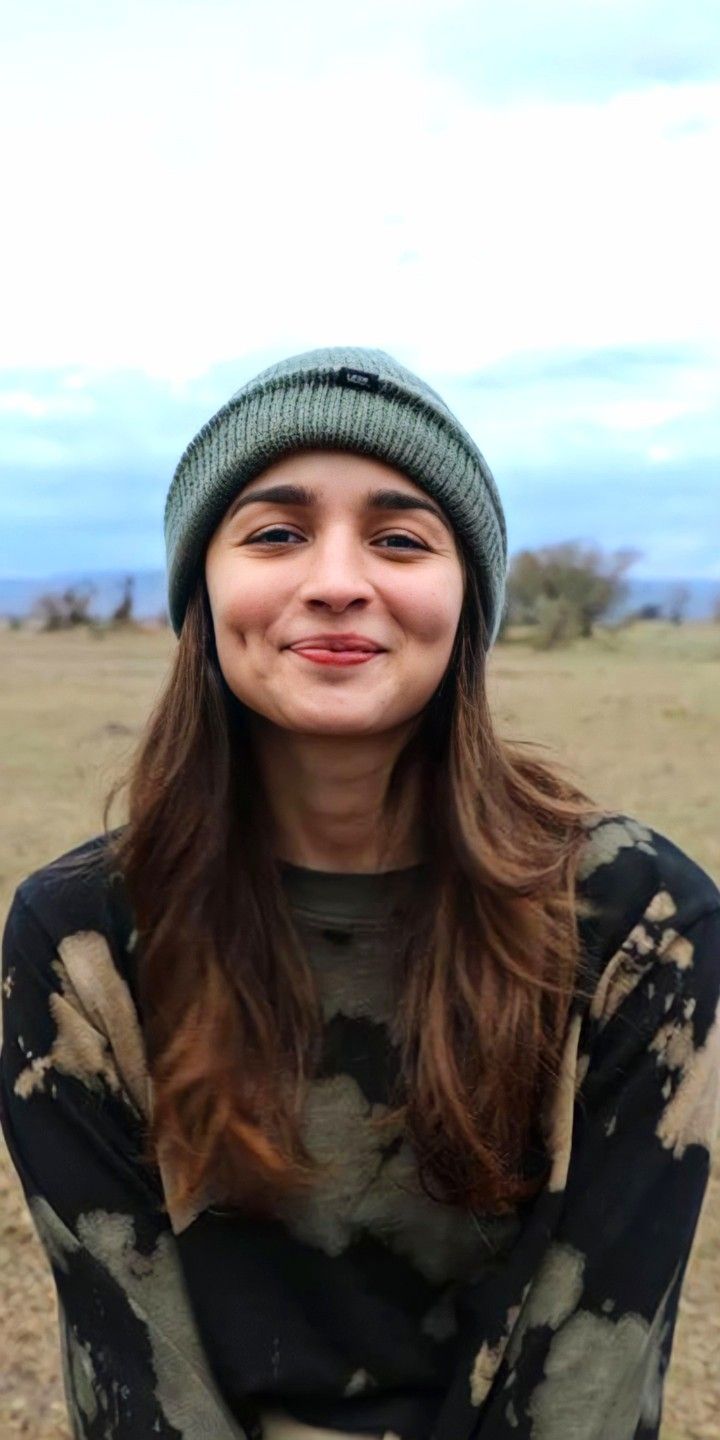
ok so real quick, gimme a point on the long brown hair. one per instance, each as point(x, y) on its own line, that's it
point(229, 1008)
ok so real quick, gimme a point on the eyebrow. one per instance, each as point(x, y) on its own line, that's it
point(300, 495)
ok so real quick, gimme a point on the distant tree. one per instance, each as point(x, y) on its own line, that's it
point(678, 603)
point(588, 583)
point(558, 622)
point(716, 609)
point(123, 613)
point(66, 609)
point(648, 612)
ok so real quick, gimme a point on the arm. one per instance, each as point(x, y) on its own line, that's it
point(588, 1355)
point(601, 1313)
point(72, 1115)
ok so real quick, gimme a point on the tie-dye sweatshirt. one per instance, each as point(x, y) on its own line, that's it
point(369, 1309)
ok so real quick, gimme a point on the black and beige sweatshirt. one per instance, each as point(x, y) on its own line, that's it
point(367, 1309)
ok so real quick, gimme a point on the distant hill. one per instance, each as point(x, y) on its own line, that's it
point(643, 591)
point(18, 596)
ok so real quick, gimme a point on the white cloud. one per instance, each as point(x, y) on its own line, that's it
point(179, 200)
point(520, 189)
point(44, 407)
point(642, 414)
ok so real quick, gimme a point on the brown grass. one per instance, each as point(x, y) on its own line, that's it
point(633, 714)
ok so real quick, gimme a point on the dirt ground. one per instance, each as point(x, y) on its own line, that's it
point(633, 715)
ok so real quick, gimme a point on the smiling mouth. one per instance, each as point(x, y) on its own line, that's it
point(322, 655)
point(337, 641)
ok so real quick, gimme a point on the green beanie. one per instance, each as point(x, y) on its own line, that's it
point(341, 399)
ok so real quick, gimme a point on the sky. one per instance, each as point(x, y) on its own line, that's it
point(517, 201)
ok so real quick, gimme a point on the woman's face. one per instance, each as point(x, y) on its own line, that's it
point(331, 544)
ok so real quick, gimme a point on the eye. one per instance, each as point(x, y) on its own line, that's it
point(399, 535)
point(274, 530)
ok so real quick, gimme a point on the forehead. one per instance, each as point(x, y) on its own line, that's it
point(320, 471)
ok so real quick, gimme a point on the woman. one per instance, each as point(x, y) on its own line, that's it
point(364, 1082)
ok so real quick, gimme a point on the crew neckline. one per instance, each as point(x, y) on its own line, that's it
point(349, 895)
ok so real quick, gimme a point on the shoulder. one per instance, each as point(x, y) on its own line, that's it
point(69, 992)
point(75, 887)
point(652, 1026)
point(629, 871)
point(77, 894)
point(652, 943)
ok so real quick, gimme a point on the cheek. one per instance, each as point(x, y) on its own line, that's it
point(240, 604)
point(431, 613)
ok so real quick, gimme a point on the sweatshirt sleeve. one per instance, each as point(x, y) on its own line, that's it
point(73, 1091)
point(590, 1340)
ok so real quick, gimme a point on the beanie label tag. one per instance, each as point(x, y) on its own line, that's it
point(358, 379)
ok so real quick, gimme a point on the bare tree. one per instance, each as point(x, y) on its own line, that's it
point(66, 609)
point(678, 603)
point(123, 613)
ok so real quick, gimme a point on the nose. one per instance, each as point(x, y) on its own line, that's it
point(337, 573)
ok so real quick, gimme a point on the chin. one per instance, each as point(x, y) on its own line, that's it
point(328, 723)
point(338, 727)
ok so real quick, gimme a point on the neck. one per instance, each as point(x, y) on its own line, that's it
point(325, 794)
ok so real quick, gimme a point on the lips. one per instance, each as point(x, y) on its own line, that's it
point(337, 643)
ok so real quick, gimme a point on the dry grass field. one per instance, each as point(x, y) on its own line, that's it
point(634, 715)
